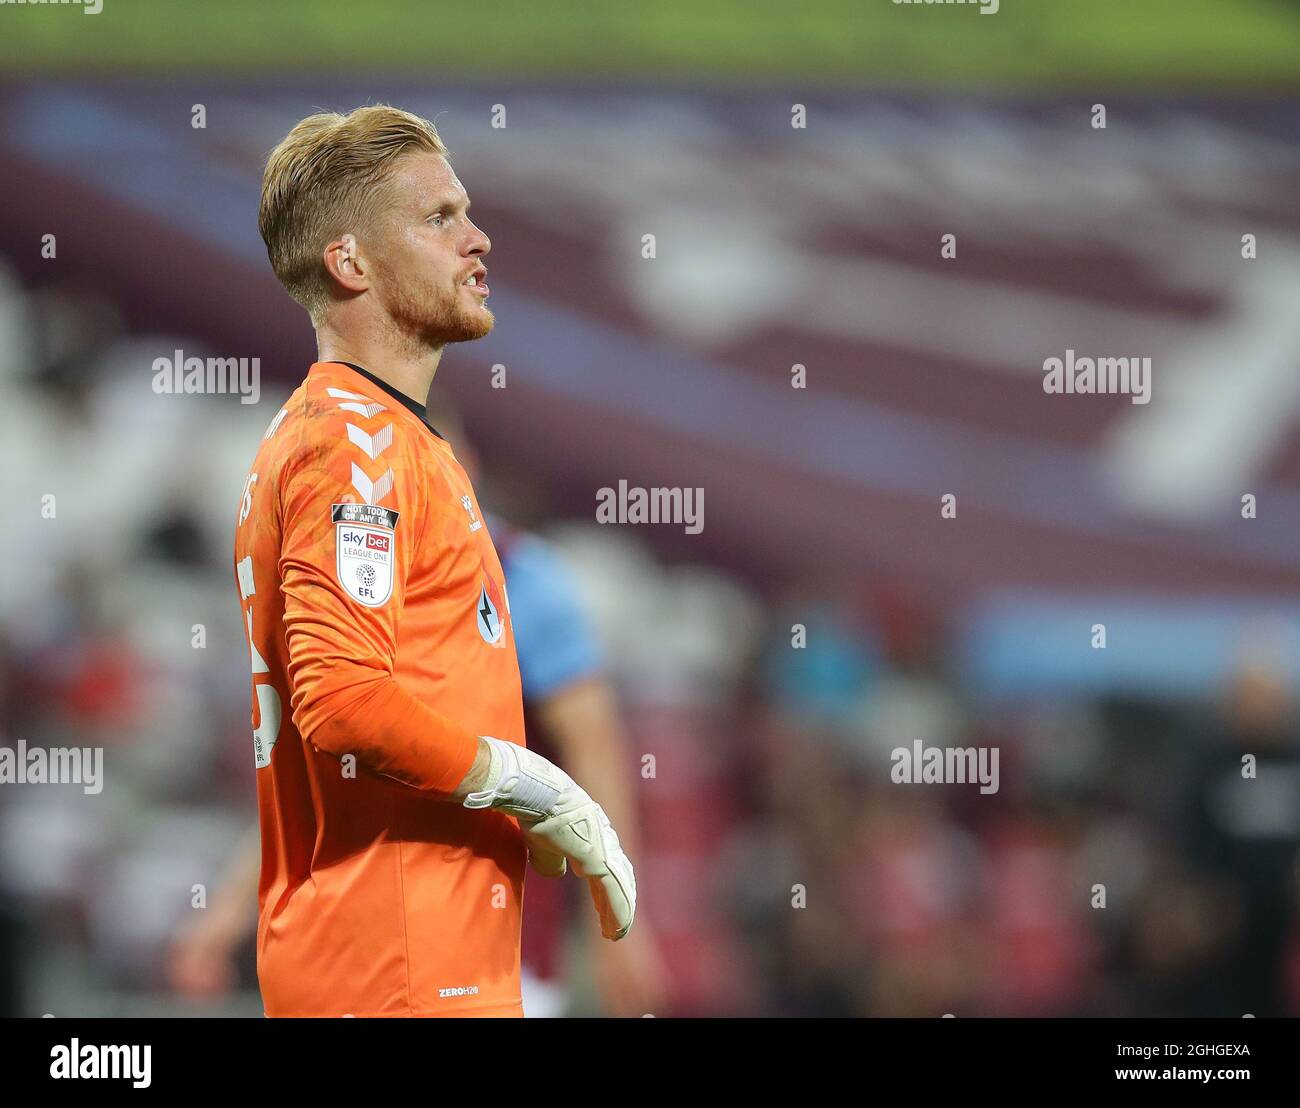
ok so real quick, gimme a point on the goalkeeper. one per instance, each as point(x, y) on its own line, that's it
point(397, 804)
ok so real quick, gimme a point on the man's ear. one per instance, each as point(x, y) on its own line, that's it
point(343, 263)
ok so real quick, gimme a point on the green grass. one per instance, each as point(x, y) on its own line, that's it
point(1197, 44)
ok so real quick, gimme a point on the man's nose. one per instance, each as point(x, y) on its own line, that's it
point(479, 243)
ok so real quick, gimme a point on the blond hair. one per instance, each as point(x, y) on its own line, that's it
point(329, 176)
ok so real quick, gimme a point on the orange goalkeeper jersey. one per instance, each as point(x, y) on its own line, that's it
point(381, 646)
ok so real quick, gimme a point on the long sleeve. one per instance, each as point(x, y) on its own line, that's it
point(344, 576)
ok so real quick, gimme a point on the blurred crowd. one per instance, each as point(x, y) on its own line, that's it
point(1125, 866)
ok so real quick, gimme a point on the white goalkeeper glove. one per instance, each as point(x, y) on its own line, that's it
point(560, 821)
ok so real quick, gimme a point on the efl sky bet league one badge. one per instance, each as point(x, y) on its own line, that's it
point(366, 538)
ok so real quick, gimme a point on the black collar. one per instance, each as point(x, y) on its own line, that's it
point(415, 406)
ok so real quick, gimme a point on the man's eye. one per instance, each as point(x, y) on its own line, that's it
point(436, 220)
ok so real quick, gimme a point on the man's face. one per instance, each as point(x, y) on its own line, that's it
point(427, 249)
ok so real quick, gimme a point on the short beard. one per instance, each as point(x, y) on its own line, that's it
point(433, 319)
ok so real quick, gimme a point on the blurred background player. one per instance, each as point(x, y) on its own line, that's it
point(1243, 835)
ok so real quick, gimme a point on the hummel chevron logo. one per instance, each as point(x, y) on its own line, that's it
point(275, 423)
point(368, 408)
point(372, 492)
point(373, 445)
point(244, 572)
